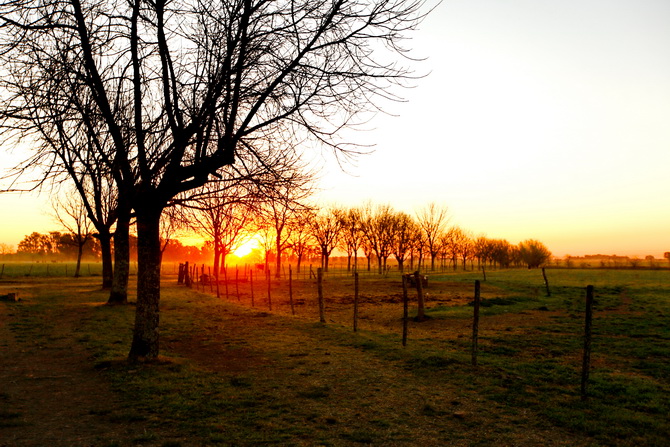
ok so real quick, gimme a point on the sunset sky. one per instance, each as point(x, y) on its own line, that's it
point(545, 120)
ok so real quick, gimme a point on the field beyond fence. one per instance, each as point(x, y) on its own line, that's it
point(254, 365)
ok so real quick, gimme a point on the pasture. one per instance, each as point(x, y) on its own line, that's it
point(233, 373)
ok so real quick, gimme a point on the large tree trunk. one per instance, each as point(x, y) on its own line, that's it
point(279, 252)
point(80, 251)
point(145, 334)
point(105, 239)
point(119, 292)
point(217, 257)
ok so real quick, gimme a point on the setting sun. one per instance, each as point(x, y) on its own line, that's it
point(246, 248)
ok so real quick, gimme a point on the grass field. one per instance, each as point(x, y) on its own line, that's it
point(233, 374)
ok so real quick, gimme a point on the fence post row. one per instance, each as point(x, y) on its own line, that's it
point(186, 272)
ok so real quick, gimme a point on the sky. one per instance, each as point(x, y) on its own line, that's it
point(543, 120)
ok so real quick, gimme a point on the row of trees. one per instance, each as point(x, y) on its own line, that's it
point(57, 245)
point(139, 103)
point(376, 232)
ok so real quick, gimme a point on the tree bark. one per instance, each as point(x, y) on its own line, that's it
point(105, 239)
point(278, 245)
point(145, 345)
point(80, 251)
point(421, 311)
point(119, 292)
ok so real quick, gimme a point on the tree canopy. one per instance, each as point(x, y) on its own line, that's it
point(166, 93)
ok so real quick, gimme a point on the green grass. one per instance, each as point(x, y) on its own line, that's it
point(20, 270)
point(289, 381)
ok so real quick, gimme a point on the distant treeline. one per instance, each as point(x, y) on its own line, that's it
point(609, 261)
point(56, 246)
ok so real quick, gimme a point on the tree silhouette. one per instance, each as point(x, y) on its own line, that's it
point(71, 214)
point(533, 253)
point(432, 220)
point(183, 88)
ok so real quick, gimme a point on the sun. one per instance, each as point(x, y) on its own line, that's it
point(246, 248)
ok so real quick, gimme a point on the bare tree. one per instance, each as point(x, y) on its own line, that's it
point(432, 220)
point(222, 211)
point(404, 233)
point(481, 251)
point(352, 235)
point(533, 253)
point(466, 248)
point(378, 230)
point(301, 241)
point(182, 88)
point(326, 227)
point(70, 212)
point(281, 203)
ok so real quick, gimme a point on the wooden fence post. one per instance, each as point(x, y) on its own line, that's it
point(216, 278)
point(355, 301)
point(187, 275)
point(211, 279)
point(251, 286)
point(421, 315)
point(290, 288)
point(405, 310)
point(180, 274)
point(237, 283)
point(269, 278)
point(546, 281)
point(225, 281)
point(586, 362)
point(475, 323)
point(319, 288)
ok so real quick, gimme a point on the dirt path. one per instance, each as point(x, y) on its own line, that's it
point(49, 392)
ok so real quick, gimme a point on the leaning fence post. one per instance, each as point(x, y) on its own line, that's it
point(421, 315)
point(546, 281)
point(319, 288)
point(475, 323)
point(586, 362)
